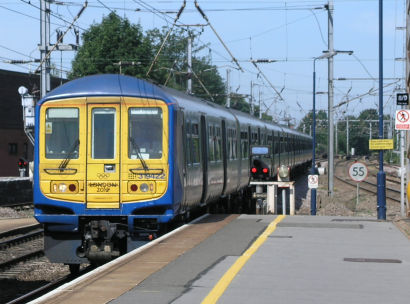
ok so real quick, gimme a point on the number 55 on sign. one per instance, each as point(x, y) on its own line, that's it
point(358, 172)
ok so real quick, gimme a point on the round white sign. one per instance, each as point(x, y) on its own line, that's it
point(358, 172)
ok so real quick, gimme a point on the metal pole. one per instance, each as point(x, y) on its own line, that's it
point(44, 44)
point(370, 133)
point(336, 138)
point(313, 190)
point(402, 202)
point(292, 199)
point(260, 112)
point(357, 195)
point(251, 100)
point(228, 88)
point(347, 135)
point(381, 175)
point(189, 81)
point(330, 100)
point(283, 201)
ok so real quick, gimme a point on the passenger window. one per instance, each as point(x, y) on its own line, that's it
point(218, 144)
point(244, 145)
point(188, 142)
point(211, 153)
point(195, 143)
point(146, 144)
point(61, 132)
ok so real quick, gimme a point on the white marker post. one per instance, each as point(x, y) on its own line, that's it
point(358, 173)
point(402, 123)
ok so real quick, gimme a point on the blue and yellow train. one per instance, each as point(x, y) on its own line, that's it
point(117, 158)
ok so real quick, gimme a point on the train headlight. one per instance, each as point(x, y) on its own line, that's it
point(284, 172)
point(62, 187)
point(144, 187)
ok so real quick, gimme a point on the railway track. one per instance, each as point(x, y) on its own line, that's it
point(42, 290)
point(373, 191)
point(18, 206)
point(20, 249)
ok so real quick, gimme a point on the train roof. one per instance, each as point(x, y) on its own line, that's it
point(107, 85)
point(122, 85)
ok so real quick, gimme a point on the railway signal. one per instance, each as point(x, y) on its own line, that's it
point(23, 165)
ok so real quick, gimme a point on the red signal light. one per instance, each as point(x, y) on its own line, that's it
point(254, 170)
point(265, 170)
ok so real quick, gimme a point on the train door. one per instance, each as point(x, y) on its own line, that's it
point(194, 173)
point(103, 155)
point(184, 155)
point(224, 156)
point(204, 160)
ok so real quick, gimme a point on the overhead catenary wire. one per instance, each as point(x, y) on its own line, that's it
point(217, 35)
point(267, 79)
point(61, 37)
point(166, 37)
point(202, 85)
point(372, 90)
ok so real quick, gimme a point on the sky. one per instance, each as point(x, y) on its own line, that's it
point(291, 33)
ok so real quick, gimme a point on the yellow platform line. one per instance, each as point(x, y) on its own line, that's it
point(231, 273)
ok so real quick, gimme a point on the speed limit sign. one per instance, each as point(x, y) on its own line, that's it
point(358, 172)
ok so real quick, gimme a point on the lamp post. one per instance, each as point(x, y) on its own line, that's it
point(313, 172)
point(313, 190)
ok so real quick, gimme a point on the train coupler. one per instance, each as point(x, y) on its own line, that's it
point(103, 240)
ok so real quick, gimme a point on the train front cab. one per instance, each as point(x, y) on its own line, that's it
point(102, 172)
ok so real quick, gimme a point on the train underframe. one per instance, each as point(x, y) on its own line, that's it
point(99, 239)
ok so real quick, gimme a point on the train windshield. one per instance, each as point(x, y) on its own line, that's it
point(145, 133)
point(61, 133)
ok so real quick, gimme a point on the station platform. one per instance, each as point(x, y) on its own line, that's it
point(259, 259)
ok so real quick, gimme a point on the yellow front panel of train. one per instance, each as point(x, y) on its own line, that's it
point(62, 150)
point(145, 153)
point(104, 151)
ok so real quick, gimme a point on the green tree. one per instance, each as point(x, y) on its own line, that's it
point(321, 129)
point(108, 43)
point(239, 103)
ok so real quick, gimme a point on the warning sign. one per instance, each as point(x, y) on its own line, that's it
point(381, 144)
point(402, 120)
point(313, 181)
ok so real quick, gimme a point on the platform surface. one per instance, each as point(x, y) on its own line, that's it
point(304, 260)
point(256, 259)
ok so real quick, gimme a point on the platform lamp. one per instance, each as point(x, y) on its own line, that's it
point(313, 190)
